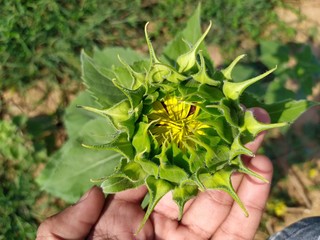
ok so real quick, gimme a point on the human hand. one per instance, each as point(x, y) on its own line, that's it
point(211, 215)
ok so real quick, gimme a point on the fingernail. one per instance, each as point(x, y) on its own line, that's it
point(85, 195)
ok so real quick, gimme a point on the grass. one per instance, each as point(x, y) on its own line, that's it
point(42, 39)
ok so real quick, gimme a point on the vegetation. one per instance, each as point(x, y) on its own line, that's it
point(43, 39)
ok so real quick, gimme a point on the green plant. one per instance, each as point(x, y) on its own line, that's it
point(173, 123)
point(41, 40)
point(18, 191)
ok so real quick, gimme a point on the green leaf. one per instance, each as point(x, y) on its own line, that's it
point(157, 188)
point(101, 87)
point(74, 118)
point(237, 148)
point(285, 111)
point(288, 111)
point(68, 173)
point(147, 165)
point(119, 144)
point(191, 33)
point(202, 75)
point(230, 112)
point(273, 53)
point(220, 158)
point(222, 127)
point(109, 57)
point(277, 91)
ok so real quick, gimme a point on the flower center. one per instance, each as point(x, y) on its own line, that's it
point(174, 121)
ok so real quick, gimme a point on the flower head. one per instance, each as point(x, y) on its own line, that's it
point(180, 126)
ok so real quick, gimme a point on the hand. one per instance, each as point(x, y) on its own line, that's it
point(211, 215)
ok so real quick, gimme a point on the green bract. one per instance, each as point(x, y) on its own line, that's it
point(178, 123)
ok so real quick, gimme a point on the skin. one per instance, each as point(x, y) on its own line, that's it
point(211, 215)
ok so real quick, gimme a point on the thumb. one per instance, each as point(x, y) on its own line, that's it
point(76, 221)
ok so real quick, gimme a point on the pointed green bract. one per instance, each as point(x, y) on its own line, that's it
point(233, 90)
point(187, 60)
point(182, 194)
point(221, 180)
point(228, 71)
point(157, 188)
point(254, 127)
point(178, 124)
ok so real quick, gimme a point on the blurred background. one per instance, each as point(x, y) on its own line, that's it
point(40, 74)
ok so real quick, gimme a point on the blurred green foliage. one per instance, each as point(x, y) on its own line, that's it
point(42, 39)
point(298, 70)
point(18, 191)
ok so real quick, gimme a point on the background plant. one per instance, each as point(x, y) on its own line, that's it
point(42, 39)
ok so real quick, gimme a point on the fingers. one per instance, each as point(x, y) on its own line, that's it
point(211, 208)
point(253, 194)
point(132, 195)
point(76, 221)
point(121, 217)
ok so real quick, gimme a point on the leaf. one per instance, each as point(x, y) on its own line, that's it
point(69, 170)
point(273, 53)
point(191, 33)
point(277, 91)
point(134, 171)
point(288, 111)
point(224, 131)
point(75, 117)
point(119, 144)
point(101, 87)
point(237, 148)
point(285, 111)
point(244, 169)
point(109, 57)
point(228, 70)
point(68, 173)
point(230, 112)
